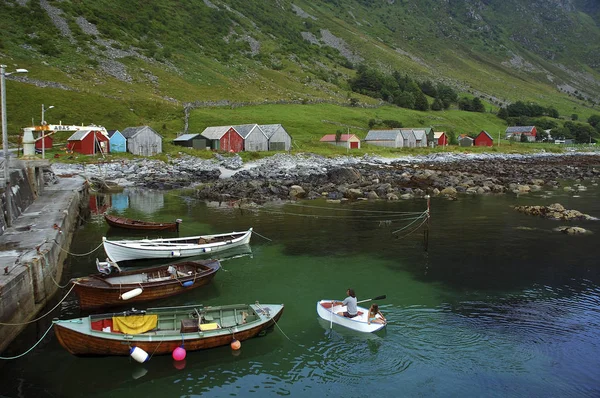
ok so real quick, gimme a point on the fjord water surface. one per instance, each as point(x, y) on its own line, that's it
point(499, 304)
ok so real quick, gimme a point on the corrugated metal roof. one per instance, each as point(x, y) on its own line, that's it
point(215, 132)
point(270, 129)
point(245, 129)
point(382, 135)
point(406, 133)
point(79, 135)
point(185, 137)
point(420, 134)
point(131, 131)
point(519, 129)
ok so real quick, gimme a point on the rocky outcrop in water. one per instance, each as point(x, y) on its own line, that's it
point(555, 211)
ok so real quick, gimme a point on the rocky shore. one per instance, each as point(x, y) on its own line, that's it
point(309, 176)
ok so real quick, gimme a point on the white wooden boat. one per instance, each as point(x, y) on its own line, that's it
point(358, 323)
point(123, 250)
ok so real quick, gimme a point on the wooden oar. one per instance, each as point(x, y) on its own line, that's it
point(371, 299)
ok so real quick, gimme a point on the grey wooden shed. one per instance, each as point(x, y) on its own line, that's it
point(465, 141)
point(421, 136)
point(143, 140)
point(410, 140)
point(254, 138)
point(385, 138)
point(195, 141)
point(279, 138)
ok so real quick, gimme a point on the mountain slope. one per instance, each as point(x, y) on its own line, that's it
point(141, 62)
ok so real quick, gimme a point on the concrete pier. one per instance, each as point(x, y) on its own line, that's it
point(33, 249)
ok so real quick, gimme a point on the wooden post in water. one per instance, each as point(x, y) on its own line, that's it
point(426, 230)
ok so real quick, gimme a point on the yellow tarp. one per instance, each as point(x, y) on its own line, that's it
point(134, 324)
point(209, 326)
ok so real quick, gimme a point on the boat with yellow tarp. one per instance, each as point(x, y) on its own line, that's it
point(161, 330)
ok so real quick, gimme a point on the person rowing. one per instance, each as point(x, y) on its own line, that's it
point(351, 305)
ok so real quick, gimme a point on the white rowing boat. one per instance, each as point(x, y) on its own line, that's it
point(123, 250)
point(358, 323)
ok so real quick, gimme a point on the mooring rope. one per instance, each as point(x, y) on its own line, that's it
point(29, 350)
point(278, 327)
point(416, 228)
point(424, 215)
point(47, 313)
point(264, 237)
point(75, 254)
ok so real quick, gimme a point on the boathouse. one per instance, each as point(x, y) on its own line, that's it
point(350, 141)
point(440, 138)
point(385, 138)
point(118, 143)
point(195, 141)
point(255, 139)
point(483, 139)
point(279, 138)
point(224, 138)
point(88, 142)
point(465, 140)
point(143, 140)
point(515, 132)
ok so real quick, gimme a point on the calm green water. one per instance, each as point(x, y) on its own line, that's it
point(499, 305)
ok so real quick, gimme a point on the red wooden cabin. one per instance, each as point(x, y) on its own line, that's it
point(88, 142)
point(441, 138)
point(484, 139)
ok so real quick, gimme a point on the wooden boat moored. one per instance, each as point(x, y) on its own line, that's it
point(123, 250)
point(145, 284)
point(160, 330)
point(138, 225)
point(358, 323)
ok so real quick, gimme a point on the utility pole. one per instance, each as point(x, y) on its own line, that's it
point(7, 187)
point(44, 131)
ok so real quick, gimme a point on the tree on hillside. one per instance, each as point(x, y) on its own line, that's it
point(404, 99)
point(421, 103)
point(594, 120)
point(428, 88)
point(477, 105)
point(503, 113)
point(437, 105)
point(447, 95)
point(464, 104)
point(552, 112)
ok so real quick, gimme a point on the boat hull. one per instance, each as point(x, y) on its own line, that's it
point(77, 336)
point(125, 250)
point(99, 291)
point(358, 323)
point(138, 225)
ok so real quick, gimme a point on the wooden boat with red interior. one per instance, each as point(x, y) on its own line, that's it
point(129, 223)
point(108, 289)
point(161, 330)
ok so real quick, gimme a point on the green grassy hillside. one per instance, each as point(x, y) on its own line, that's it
point(121, 64)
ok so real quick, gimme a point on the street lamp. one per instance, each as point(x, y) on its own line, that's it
point(44, 131)
point(7, 187)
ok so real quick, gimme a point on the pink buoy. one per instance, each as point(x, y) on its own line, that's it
point(179, 354)
point(235, 345)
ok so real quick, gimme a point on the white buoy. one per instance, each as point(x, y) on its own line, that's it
point(131, 294)
point(175, 254)
point(139, 355)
